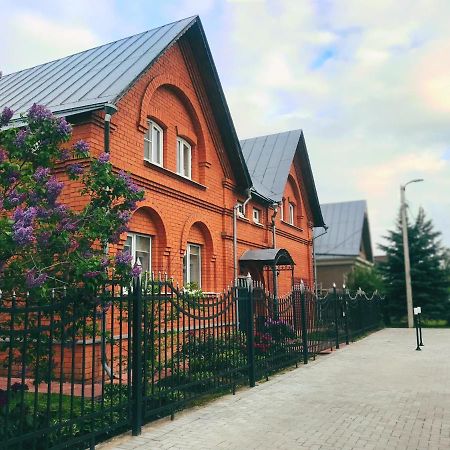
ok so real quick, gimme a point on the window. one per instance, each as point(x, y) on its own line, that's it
point(192, 265)
point(140, 248)
point(291, 213)
point(240, 209)
point(282, 210)
point(153, 144)
point(256, 215)
point(184, 155)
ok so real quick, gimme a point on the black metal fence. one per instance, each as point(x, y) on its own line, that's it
point(76, 368)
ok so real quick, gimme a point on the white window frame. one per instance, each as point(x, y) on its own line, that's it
point(182, 146)
point(257, 215)
point(282, 210)
point(133, 247)
point(291, 213)
point(187, 263)
point(153, 155)
point(240, 209)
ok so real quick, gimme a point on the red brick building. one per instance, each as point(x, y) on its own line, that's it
point(172, 130)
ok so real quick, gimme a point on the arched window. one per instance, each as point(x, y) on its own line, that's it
point(184, 158)
point(192, 265)
point(140, 248)
point(153, 144)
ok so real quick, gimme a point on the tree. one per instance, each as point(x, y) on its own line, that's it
point(366, 278)
point(429, 274)
point(43, 243)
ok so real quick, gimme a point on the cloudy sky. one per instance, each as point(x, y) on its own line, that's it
point(367, 81)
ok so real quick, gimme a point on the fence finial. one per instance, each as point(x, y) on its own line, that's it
point(334, 285)
point(302, 286)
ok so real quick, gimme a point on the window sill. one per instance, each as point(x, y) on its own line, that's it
point(243, 218)
point(174, 175)
point(258, 224)
point(292, 226)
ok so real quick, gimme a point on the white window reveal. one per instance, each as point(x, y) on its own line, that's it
point(153, 144)
point(184, 158)
point(291, 213)
point(140, 248)
point(240, 209)
point(192, 265)
point(256, 215)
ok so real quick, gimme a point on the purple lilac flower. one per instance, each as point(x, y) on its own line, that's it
point(65, 154)
point(104, 262)
point(74, 170)
point(3, 155)
point(33, 279)
point(129, 182)
point(39, 112)
point(92, 273)
point(13, 176)
point(124, 258)
point(14, 198)
point(124, 216)
point(43, 238)
point(43, 213)
point(6, 115)
point(54, 188)
point(20, 138)
point(136, 271)
point(41, 174)
point(22, 235)
point(81, 147)
point(103, 158)
point(63, 128)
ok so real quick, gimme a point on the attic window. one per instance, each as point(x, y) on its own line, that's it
point(153, 144)
point(184, 158)
point(291, 213)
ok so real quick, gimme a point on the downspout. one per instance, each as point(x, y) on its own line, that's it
point(314, 257)
point(109, 111)
point(274, 227)
point(235, 209)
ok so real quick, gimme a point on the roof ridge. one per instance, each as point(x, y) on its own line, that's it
point(96, 47)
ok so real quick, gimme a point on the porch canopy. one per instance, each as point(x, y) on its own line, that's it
point(268, 257)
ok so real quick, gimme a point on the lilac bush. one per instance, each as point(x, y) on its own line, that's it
point(43, 243)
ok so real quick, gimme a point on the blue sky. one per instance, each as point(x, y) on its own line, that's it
point(368, 82)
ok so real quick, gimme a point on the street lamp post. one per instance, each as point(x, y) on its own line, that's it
point(409, 299)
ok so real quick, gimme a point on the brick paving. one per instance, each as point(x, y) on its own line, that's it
point(377, 393)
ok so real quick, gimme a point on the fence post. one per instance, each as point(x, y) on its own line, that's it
point(345, 309)
point(336, 327)
point(245, 295)
point(136, 419)
point(304, 327)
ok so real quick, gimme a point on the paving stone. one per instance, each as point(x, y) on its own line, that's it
point(377, 393)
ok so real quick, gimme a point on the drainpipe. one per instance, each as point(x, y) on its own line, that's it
point(109, 111)
point(235, 209)
point(314, 256)
point(274, 227)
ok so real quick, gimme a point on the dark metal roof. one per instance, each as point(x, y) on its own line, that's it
point(348, 230)
point(88, 80)
point(268, 257)
point(269, 159)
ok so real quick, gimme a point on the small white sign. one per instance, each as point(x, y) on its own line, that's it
point(416, 311)
point(419, 310)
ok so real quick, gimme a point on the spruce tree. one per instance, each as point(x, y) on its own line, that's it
point(430, 275)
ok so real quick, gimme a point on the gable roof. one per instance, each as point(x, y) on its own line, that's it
point(88, 80)
point(269, 159)
point(348, 230)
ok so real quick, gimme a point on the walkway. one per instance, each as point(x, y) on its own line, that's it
point(378, 393)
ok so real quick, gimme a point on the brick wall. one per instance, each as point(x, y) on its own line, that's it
point(176, 210)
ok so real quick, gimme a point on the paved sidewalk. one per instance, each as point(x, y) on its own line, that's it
point(378, 393)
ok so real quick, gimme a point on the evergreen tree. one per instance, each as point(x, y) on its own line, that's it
point(430, 276)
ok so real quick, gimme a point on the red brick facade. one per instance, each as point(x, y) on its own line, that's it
point(177, 211)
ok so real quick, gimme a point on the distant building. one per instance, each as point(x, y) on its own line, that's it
point(346, 244)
